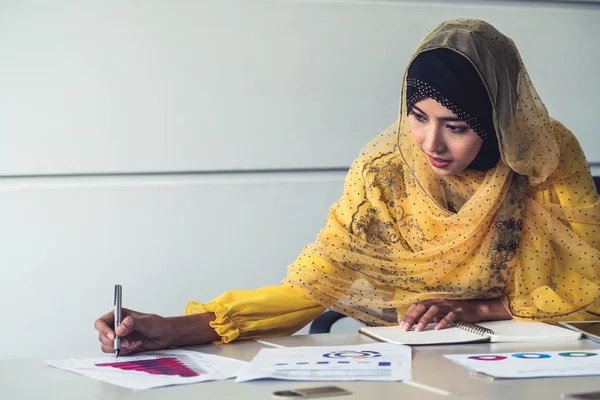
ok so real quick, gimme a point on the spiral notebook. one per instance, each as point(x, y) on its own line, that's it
point(462, 332)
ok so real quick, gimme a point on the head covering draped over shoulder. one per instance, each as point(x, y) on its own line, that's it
point(449, 78)
point(526, 230)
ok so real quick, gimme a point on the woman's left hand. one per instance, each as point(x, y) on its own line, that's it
point(445, 312)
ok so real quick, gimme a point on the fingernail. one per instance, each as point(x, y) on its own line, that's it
point(110, 336)
point(124, 343)
point(405, 326)
point(419, 327)
point(438, 326)
point(138, 343)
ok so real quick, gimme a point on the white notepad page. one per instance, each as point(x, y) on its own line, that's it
point(504, 331)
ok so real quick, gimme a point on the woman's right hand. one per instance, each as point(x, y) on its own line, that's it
point(138, 332)
point(141, 332)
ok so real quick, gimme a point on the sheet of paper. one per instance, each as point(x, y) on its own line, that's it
point(532, 365)
point(154, 369)
point(365, 362)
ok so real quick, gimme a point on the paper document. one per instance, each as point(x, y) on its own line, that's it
point(365, 362)
point(154, 369)
point(532, 365)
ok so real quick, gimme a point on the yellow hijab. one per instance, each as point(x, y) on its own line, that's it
point(527, 231)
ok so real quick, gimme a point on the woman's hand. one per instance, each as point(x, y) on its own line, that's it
point(141, 332)
point(138, 332)
point(445, 312)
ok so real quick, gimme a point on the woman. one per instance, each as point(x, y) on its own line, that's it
point(474, 205)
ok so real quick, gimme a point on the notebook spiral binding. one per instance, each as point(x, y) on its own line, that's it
point(473, 328)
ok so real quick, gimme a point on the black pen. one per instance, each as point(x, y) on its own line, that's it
point(117, 312)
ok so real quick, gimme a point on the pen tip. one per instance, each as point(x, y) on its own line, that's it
point(117, 353)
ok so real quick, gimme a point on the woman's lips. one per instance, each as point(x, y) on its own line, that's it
point(438, 162)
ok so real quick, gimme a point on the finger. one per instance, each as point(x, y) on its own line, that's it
point(411, 318)
point(447, 320)
point(126, 348)
point(133, 349)
point(107, 349)
point(105, 341)
point(104, 325)
point(126, 327)
point(110, 350)
point(408, 312)
point(427, 317)
point(132, 346)
point(136, 345)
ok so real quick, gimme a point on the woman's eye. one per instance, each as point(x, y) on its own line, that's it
point(457, 129)
point(418, 117)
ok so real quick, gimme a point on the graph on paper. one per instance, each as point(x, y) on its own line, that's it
point(337, 364)
point(154, 369)
point(532, 364)
point(169, 366)
point(367, 362)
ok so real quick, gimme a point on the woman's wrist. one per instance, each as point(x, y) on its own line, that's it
point(493, 310)
point(191, 330)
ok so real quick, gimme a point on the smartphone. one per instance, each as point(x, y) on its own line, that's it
point(582, 396)
point(310, 393)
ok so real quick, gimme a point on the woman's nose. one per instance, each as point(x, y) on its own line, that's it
point(434, 142)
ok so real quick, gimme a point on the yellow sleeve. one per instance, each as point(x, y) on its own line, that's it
point(264, 312)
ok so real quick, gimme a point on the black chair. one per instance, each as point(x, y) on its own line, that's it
point(324, 322)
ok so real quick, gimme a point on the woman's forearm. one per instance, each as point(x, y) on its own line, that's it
point(191, 330)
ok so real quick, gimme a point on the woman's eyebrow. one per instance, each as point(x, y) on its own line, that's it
point(450, 119)
point(446, 119)
point(419, 110)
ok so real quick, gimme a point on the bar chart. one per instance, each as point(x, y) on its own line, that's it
point(158, 366)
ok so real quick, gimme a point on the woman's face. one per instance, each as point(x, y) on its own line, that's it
point(448, 142)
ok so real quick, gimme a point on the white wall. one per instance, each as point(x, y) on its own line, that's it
point(167, 240)
point(126, 128)
point(120, 86)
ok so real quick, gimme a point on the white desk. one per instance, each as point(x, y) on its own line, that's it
point(31, 379)
point(432, 369)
